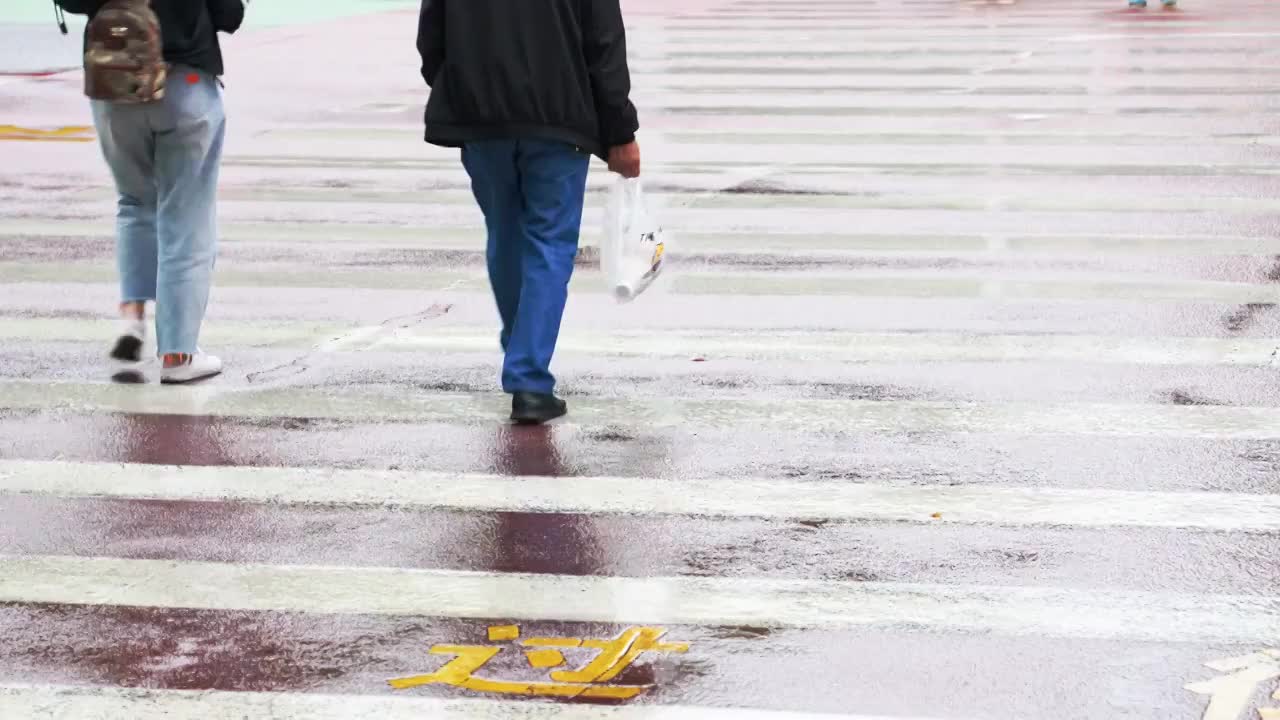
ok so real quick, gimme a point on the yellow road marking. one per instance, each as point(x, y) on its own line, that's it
point(70, 133)
point(614, 656)
point(545, 658)
point(499, 633)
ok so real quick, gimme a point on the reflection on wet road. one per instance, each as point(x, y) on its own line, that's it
point(961, 402)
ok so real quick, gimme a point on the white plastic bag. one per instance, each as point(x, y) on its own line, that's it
point(633, 250)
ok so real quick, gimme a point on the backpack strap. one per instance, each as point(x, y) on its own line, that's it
point(60, 16)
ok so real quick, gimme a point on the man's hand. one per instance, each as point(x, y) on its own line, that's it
point(625, 160)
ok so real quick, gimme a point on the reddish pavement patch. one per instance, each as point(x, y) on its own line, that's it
point(655, 454)
point(634, 545)
point(876, 672)
point(36, 74)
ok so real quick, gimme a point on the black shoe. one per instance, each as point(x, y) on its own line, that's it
point(536, 408)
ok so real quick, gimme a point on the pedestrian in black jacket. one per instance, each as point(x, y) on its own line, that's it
point(164, 156)
point(529, 89)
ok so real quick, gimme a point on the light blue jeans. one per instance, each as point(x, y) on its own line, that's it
point(164, 157)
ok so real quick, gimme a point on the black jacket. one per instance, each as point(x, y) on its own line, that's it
point(190, 27)
point(544, 69)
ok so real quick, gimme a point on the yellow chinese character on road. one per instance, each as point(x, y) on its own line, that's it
point(612, 657)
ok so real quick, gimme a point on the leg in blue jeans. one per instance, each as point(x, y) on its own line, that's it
point(165, 158)
point(541, 184)
point(124, 132)
point(496, 185)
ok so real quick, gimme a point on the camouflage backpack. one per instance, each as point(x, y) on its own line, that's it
point(124, 54)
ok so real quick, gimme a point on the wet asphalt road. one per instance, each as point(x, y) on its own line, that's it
point(960, 400)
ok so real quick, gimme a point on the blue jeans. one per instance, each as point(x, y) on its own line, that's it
point(164, 157)
point(531, 193)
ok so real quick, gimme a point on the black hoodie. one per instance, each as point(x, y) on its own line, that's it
point(190, 27)
point(542, 69)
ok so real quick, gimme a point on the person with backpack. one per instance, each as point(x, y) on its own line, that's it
point(529, 91)
point(152, 70)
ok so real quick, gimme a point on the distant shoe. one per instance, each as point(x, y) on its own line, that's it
point(1170, 4)
point(536, 408)
point(1137, 3)
point(126, 355)
point(197, 367)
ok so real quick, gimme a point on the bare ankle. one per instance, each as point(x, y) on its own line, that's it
point(172, 360)
point(133, 310)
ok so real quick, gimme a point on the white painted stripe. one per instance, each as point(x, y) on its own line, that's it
point(758, 498)
point(767, 103)
point(1166, 36)
point(941, 61)
point(1018, 611)
point(709, 343)
point(923, 49)
point(810, 416)
point(868, 347)
point(1071, 160)
point(967, 34)
point(1081, 83)
point(53, 702)
point(290, 334)
point(932, 284)
point(776, 132)
point(932, 244)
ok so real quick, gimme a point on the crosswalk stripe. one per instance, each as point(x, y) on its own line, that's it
point(835, 102)
point(295, 333)
point(870, 347)
point(789, 415)
point(743, 242)
point(774, 133)
point(752, 498)
point(715, 199)
point(757, 602)
point(867, 284)
point(108, 703)
point(736, 241)
point(680, 343)
point(829, 198)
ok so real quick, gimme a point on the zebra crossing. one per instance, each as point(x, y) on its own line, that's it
point(959, 403)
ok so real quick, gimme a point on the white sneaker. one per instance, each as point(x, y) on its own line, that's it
point(199, 367)
point(126, 355)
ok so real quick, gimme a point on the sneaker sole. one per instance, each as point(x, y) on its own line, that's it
point(188, 381)
point(535, 420)
point(129, 377)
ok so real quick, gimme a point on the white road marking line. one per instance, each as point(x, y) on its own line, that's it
point(290, 334)
point(756, 498)
point(870, 347)
point(873, 284)
point(773, 345)
point(739, 241)
point(1165, 36)
point(809, 416)
point(41, 702)
point(1015, 611)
